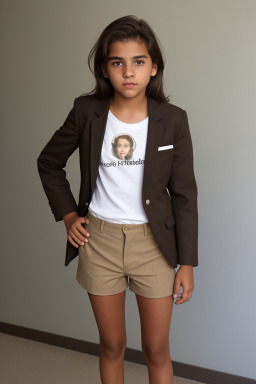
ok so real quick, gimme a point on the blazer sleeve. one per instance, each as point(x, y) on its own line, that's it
point(183, 191)
point(51, 162)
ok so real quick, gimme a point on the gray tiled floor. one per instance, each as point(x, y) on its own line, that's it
point(24, 361)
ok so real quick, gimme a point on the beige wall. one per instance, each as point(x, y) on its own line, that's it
point(210, 71)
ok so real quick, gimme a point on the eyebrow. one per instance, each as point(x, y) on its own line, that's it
point(121, 58)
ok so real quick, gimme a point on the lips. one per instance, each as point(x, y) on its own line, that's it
point(129, 85)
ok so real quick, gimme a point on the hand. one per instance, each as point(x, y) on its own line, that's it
point(184, 277)
point(75, 230)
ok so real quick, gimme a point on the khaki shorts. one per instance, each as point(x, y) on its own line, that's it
point(115, 252)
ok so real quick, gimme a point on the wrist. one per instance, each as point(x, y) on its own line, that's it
point(69, 217)
point(186, 266)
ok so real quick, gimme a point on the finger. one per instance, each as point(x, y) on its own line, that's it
point(77, 240)
point(190, 295)
point(72, 242)
point(183, 299)
point(176, 289)
point(77, 232)
point(180, 301)
point(83, 231)
point(84, 219)
point(80, 228)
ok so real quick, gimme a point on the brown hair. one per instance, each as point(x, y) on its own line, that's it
point(126, 27)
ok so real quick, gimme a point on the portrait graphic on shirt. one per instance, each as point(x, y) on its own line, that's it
point(123, 146)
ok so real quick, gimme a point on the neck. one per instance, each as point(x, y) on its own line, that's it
point(129, 104)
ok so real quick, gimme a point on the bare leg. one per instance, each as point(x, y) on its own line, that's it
point(109, 312)
point(155, 318)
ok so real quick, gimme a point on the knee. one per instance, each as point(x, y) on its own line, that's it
point(113, 350)
point(156, 354)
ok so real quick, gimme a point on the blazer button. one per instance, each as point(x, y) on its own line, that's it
point(86, 203)
point(147, 201)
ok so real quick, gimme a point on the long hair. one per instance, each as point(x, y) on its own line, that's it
point(126, 27)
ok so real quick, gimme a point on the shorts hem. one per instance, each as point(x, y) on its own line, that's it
point(157, 296)
point(100, 292)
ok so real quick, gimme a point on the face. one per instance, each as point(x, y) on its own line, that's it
point(129, 62)
point(122, 148)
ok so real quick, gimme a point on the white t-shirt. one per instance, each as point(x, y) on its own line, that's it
point(118, 193)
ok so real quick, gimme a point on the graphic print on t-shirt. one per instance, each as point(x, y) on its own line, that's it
point(123, 146)
point(117, 196)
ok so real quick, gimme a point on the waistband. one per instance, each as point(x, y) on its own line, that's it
point(119, 227)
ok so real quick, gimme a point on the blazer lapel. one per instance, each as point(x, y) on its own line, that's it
point(97, 136)
point(153, 139)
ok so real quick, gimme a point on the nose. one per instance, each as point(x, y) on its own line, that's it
point(128, 71)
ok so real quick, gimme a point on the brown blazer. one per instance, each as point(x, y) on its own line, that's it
point(169, 192)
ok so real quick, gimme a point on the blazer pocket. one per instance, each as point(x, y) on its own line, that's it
point(164, 147)
point(165, 151)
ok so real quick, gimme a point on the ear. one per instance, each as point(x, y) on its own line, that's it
point(154, 70)
point(103, 69)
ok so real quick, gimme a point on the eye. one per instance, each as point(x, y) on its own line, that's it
point(119, 62)
point(116, 62)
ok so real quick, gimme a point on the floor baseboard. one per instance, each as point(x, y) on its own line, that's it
point(203, 375)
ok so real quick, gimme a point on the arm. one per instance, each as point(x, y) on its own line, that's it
point(183, 190)
point(51, 162)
